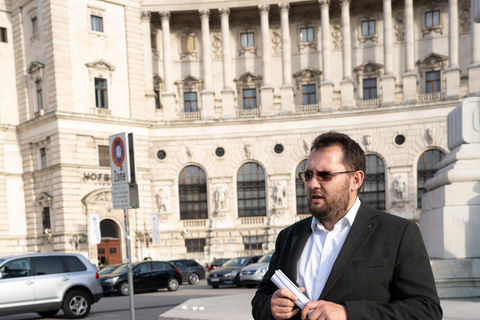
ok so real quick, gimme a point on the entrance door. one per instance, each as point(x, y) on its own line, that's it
point(109, 248)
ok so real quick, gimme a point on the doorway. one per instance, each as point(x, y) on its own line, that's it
point(109, 248)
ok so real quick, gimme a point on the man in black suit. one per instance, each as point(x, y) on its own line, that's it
point(352, 261)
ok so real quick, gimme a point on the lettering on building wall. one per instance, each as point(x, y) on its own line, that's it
point(101, 177)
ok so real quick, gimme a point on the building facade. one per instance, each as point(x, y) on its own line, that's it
point(224, 99)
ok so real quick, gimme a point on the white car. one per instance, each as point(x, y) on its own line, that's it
point(252, 275)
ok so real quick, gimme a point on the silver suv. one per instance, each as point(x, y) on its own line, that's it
point(47, 282)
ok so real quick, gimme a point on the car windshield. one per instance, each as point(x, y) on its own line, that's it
point(236, 262)
point(109, 269)
point(266, 258)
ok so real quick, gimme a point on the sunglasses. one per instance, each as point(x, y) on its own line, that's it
point(321, 176)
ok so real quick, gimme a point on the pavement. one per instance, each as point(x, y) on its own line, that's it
point(237, 307)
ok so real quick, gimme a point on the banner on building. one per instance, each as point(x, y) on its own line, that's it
point(94, 236)
point(155, 230)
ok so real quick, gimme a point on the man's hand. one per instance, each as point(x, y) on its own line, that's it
point(324, 310)
point(282, 304)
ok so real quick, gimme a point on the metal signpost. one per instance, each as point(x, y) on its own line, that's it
point(124, 190)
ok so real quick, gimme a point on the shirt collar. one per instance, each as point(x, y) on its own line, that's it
point(348, 218)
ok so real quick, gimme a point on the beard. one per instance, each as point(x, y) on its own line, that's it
point(334, 208)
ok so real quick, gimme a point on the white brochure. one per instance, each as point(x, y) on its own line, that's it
point(282, 281)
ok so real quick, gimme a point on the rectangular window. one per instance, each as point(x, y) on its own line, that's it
point(249, 98)
point(368, 28)
point(3, 34)
point(306, 34)
point(370, 89)
point(432, 18)
point(96, 23)
point(38, 89)
point(43, 158)
point(101, 93)
point(195, 245)
point(309, 94)
point(46, 218)
point(433, 82)
point(253, 242)
point(34, 25)
point(103, 156)
point(157, 99)
point(190, 102)
point(188, 43)
point(247, 39)
point(48, 265)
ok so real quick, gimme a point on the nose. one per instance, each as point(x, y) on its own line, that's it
point(313, 183)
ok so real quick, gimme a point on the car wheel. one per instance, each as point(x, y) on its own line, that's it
point(173, 284)
point(193, 278)
point(48, 314)
point(215, 286)
point(76, 305)
point(124, 288)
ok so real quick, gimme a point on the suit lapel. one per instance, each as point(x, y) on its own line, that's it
point(361, 230)
point(299, 239)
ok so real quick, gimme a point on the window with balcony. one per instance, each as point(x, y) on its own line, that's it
point(251, 193)
point(249, 99)
point(253, 242)
point(302, 204)
point(373, 188)
point(3, 34)
point(101, 99)
point(426, 169)
point(192, 188)
point(190, 102)
point(96, 23)
point(309, 95)
point(432, 84)
point(195, 245)
point(103, 156)
point(369, 89)
point(368, 28)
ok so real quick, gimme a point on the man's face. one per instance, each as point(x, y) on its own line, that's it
point(329, 200)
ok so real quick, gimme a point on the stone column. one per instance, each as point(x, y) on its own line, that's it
point(228, 103)
point(451, 207)
point(347, 85)
point(169, 112)
point(148, 64)
point(474, 68)
point(266, 92)
point(326, 87)
point(286, 90)
point(409, 77)
point(452, 74)
point(388, 80)
point(208, 95)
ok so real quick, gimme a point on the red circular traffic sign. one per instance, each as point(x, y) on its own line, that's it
point(118, 151)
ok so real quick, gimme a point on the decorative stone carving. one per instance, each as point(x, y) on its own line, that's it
point(337, 34)
point(217, 45)
point(306, 146)
point(248, 80)
point(432, 62)
point(221, 198)
point(163, 199)
point(307, 76)
point(248, 150)
point(277, 42)
point(399, 26)
point(399, 189)
point(189, 153)
point(465, 16)
point(367, 141)
point(279, 195)
point(306, 17)
point(430, 135)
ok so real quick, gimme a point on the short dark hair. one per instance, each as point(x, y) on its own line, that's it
point(353, 155)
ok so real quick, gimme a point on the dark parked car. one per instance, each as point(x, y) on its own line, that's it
point(148, 275)
point(216, 263)
point(110, 268)
point(229, 272)
point(47, 282)
point(191, 270)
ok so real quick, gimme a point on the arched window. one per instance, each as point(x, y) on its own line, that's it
point(373, 189)
point(251, 191)
point(192, 187)
point(426, 169)
point(108, 229)
point(302, 204)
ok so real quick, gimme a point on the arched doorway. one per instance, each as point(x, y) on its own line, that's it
point(109, 248)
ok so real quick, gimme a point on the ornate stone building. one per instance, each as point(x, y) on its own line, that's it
point(224, 99)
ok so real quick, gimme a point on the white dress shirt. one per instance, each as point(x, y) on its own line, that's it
point(321, 251)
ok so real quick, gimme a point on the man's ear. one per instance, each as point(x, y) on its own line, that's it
point(357, 180)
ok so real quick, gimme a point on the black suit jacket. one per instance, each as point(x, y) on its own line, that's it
point(382, 271)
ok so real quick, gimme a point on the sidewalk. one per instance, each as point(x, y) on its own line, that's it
point(237, 307)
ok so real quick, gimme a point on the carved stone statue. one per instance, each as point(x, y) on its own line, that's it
point(221, 197)
point(279, 195)
point(163, 199)
point(399, 188)
point(248, 150)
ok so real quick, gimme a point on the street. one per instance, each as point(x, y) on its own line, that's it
point(148, 305)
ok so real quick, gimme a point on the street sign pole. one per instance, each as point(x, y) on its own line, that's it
point(129, 265)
